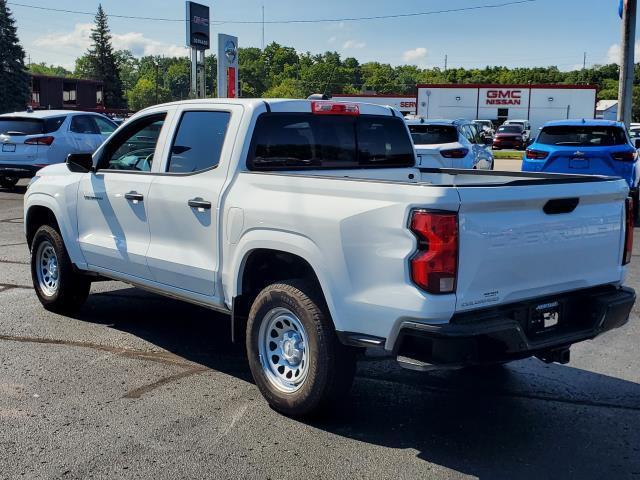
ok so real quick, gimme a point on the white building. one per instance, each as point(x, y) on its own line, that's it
point(607, 110)
point(405, 103)
point(536, 103)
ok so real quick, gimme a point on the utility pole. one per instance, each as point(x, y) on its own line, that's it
point(157, 65)
point(445, 63)
point(584, 61)
point(625, 91)
point(262, 27)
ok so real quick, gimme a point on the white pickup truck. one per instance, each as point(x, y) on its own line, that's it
point(308, 223)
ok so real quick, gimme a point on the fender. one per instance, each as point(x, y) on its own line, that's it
point(286, 241)
point(67, 225)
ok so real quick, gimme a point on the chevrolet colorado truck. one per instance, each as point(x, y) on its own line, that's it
point(309, 223)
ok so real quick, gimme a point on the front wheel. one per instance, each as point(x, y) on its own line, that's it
point(60, 289)
point(294, 354)
point(8, 182)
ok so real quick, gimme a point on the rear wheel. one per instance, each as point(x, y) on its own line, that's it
point(59, 288)
point(8, 182)
point(294, 354)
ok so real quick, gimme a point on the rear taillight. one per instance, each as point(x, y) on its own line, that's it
point(629, 156)
point(454, 153)
point(536, 154)
point(333, 108)
point(47, 140)
point(628, 234)
point(434, 266)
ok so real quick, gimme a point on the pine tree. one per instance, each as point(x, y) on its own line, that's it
point(102, 61)
point(14, 79)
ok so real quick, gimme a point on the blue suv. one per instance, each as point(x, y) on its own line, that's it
point(589, 147)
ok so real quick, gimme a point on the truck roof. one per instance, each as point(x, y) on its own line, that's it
point(288, 105)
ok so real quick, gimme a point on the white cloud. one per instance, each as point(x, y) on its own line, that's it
point(613, 54)
point(415, 55)
point(80, 39)
point(353, 44)
point(332, 39)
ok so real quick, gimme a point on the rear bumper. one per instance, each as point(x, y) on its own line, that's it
point(506, 144)
point(507, 332)
point(17, 170)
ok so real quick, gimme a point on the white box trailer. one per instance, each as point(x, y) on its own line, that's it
point(404, 103)
point(536, 103)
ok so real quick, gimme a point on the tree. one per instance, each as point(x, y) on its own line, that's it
point(13, 76)
point(102, 63)
point(143, 94)
point(53, 70)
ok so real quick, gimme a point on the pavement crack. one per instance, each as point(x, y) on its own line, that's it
point(9, 286)
point(13, 244)
point(138, 392)
point(14, 262)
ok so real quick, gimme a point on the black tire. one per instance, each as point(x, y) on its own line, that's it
point(72, 287)
point(331, 365)
point(8, 182)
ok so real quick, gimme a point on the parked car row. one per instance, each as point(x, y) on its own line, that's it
point(32, 140)
point(449, 144)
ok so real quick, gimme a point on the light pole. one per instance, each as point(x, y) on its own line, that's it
point(625, 90)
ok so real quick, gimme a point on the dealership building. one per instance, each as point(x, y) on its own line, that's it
point(404, 103)
point(536, 103)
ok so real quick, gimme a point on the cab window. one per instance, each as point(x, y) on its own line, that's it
point(198, 141)
point(133, 147)
point(84, 124)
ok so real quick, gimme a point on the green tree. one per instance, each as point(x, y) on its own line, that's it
point(102, 62)
point(127, 66)
point(13, 75)
point(289, 88)
point(53, 70)
point(143, 94)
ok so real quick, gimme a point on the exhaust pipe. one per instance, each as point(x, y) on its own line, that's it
point(556, 355)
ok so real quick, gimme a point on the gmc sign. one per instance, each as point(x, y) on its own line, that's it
point(504, 97)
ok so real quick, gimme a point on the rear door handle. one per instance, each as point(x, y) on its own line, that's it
point(199, 203)
point(134, 196)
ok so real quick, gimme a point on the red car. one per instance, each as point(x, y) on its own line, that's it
point(509, 136)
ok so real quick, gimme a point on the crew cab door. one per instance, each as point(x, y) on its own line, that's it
point(184, 200)
point(112, 203)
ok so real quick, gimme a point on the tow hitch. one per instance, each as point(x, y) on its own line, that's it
point(556, 355)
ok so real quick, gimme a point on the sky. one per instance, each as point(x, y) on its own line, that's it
point(535, 33)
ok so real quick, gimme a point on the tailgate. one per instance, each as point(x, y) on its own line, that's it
point(511, 250)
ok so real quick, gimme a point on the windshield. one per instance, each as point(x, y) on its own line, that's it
point(20, 126)
point(433, 134)
point(510, 129)
point(583, 136)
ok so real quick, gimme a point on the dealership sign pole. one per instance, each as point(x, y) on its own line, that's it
point(625, 91)
point(227, 66)
point(198, 41)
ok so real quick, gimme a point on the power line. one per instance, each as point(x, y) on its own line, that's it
point(288, 21)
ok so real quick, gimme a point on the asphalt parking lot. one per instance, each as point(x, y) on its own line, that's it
point(139, 386)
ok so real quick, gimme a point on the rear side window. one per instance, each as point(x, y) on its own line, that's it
point(84, 124)
point(53, 124)
point(198, 142)
point(433, 134)
point(305, 140)
point(582, 136)
point(15, 126)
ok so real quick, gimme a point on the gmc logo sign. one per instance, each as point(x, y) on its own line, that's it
point(504, 97)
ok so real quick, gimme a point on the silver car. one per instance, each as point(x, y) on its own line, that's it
point(32, 140)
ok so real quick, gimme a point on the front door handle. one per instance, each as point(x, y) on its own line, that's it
point(134, 196)
point(199, 203)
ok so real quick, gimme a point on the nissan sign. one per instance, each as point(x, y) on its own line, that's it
point(197, 26)
point(504, 97)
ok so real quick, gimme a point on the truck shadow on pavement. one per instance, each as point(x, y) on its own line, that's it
point(524, 420)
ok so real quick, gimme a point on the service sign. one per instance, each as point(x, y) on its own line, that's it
point(197, 26)
point(499, 96)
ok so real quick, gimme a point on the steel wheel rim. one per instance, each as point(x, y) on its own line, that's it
point(284, 349)
point(47, 269)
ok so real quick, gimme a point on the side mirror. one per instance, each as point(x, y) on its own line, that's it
point(636, 142)
point(80, 162)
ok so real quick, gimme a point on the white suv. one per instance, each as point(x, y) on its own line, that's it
point(449, 144)
point(32, 140)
